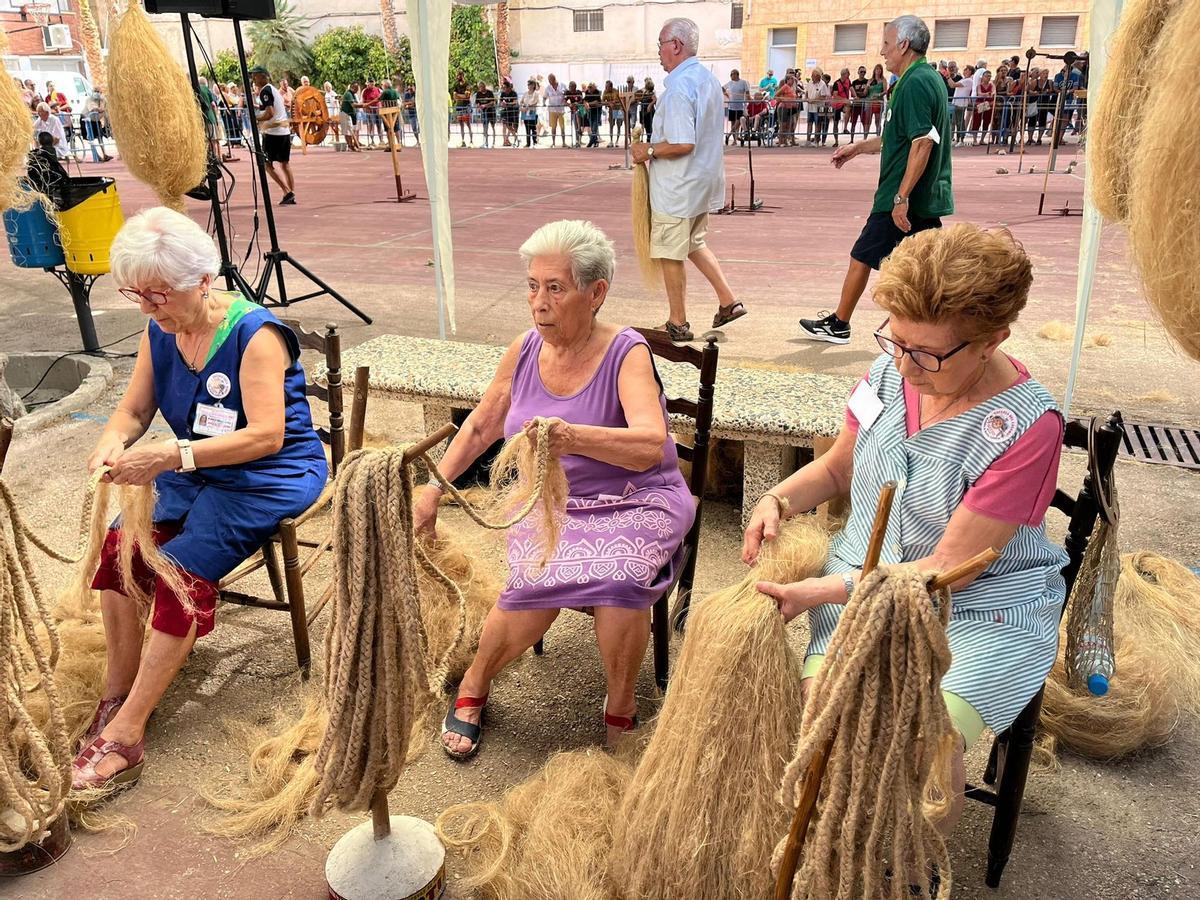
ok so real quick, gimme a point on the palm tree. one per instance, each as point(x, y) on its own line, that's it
point(391, 40)
point(503, 50)
point(91, 45)
point(279, 44)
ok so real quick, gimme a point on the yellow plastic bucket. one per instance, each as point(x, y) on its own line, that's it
point(88, 221)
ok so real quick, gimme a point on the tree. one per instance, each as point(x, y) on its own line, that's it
point(387, 13)
point(224, 68)
point(503, 48)
point(342, 55)
point(279, 44)
point(472, 49)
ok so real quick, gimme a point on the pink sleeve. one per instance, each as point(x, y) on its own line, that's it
point(851, 419)
point(1019, 485)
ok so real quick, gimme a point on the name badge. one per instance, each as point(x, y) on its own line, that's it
point(866, 405)
point(214, 421)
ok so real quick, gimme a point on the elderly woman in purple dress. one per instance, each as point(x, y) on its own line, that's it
point(629, 507)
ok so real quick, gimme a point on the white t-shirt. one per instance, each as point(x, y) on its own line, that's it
point(554, 97)
point(962, 91)
point(739, 93)
point(270, 97)
point(816, 95)
point(690, 110)
point(53, 125)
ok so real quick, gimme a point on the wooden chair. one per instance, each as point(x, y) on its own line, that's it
point(697, 453)
point(1008, 763)
point(6, 434)
point(287, 582)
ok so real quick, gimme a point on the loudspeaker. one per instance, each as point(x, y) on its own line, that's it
point(216, 9)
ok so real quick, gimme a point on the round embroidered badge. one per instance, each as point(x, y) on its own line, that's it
point(218, 385)
point(999, 425)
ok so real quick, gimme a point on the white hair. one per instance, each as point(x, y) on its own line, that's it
point(593, 256)
point(162, 246)
point(914, 30)
point(685, 31)
point(43, 106)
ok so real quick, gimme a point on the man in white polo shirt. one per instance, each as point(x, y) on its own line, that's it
point(555, 107)
point(687, 175)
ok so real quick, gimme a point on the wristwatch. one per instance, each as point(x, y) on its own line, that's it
point(848, 584)
point(899, 200)
point(650, 151)
point(187, 460)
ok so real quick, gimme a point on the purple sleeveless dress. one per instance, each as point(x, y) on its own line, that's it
point(621, 536)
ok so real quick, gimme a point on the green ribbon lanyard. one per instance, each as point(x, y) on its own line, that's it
point(895, 92)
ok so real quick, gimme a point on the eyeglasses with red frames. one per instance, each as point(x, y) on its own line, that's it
point(154, 298)
point(923, 359)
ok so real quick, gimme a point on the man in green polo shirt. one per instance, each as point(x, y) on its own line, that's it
point(348, 117)
point(390, 99)
point(208, 108)
point(914, 170)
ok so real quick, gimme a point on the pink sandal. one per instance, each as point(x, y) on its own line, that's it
point(83, 770)
point(105, 711)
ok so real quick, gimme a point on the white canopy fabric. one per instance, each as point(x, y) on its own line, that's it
point(1105, 16)
point(429, 23)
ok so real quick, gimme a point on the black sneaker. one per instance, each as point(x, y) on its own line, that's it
point(289, 199)
point(679, 334)
point(827, 328)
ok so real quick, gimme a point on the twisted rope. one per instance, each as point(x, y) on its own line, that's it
point(878, 700)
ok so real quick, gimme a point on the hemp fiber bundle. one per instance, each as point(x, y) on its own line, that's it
point(1115, 120)
point(642, 216)
point(155, 117)
point(549, 837)
point(16, 133)
point(877, 705)
point(1164, 215)
point(701, 816)
point(1156, 632)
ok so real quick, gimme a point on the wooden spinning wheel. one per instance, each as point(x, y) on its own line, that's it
point(310, 116)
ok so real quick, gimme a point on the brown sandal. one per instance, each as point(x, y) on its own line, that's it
point(730, 313)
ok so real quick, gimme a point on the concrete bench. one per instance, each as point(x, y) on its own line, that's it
point(772, 413)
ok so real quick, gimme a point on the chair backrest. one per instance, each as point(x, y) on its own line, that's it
point(332, 393)
point(700, 410)
point(1101, 440)
point(6, 433)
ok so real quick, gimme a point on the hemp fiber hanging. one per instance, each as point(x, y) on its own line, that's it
point(155, 116)
point(643, 220)
point(878, 700)
point(16, 134)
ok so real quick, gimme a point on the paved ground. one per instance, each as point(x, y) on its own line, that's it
point(1089, 831)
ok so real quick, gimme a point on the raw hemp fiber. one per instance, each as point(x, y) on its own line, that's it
point(877, 707)
point(651, 268)
point(155, 117)
point(1164, 177)
point(16, 134)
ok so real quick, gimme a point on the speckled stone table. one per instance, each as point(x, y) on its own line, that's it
point(771, 412)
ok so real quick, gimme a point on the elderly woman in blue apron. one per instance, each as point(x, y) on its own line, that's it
point(973, 443)
point(225, 375)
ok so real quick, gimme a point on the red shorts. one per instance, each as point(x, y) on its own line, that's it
point(170, 616)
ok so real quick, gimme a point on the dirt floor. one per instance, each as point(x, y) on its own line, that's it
point(1087, 831)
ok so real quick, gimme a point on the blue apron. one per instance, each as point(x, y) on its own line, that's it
point(1003, 628)
point(227, 512)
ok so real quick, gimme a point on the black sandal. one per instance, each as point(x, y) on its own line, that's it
point(730, 313)
point(454, 725)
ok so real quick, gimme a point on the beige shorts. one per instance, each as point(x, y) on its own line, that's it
point(556, 118)
point(672, 237)
point(346, 122)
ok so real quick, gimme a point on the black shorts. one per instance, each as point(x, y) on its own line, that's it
point(277, 147)
point(735, 114)
point(880, 236)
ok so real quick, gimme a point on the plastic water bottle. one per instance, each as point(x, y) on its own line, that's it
point(1094, 659)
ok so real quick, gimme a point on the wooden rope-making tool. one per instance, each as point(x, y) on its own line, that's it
point(816, 769)
point(390, 116)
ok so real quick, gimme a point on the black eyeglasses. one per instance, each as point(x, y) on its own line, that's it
point(923, 359)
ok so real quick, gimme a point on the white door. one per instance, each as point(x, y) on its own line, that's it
point(780, 59)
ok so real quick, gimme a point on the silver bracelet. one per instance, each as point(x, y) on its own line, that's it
point(434, 483)
point(848, 583)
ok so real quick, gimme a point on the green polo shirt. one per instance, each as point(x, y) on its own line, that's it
point(389, 97)
point(348, 101)
point(916, 105)
point(206, 104)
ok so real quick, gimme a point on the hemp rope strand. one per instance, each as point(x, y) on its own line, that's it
point(878, 698)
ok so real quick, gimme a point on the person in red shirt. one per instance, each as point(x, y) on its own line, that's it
point(843, 93)
point(53, 96)
point(756, 116)
point(370, 102)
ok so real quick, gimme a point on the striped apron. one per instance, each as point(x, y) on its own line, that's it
point(1003, 628)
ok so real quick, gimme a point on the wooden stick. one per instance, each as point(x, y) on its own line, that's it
point(381, 821)
point(975, 564)
point(358, 406)
point(816, 768)
point(426, 444)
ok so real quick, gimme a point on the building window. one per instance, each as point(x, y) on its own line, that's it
point(589, 20)
point(850, 38)
point(1005, 32)
point(951, 34)
point(737, 12)
point(1059, 31)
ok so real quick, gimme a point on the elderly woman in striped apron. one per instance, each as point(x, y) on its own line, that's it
point(973, 443)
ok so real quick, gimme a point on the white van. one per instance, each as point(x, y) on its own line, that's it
point(76, 87)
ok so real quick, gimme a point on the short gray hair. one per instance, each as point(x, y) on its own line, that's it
point(685, 31)
point(593, 256)
point(914, 30)
point(161, 245)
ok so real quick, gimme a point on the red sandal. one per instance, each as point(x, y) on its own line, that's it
point(454, 725)
point(625, 723)
point(105, 711)
point(83, 770)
